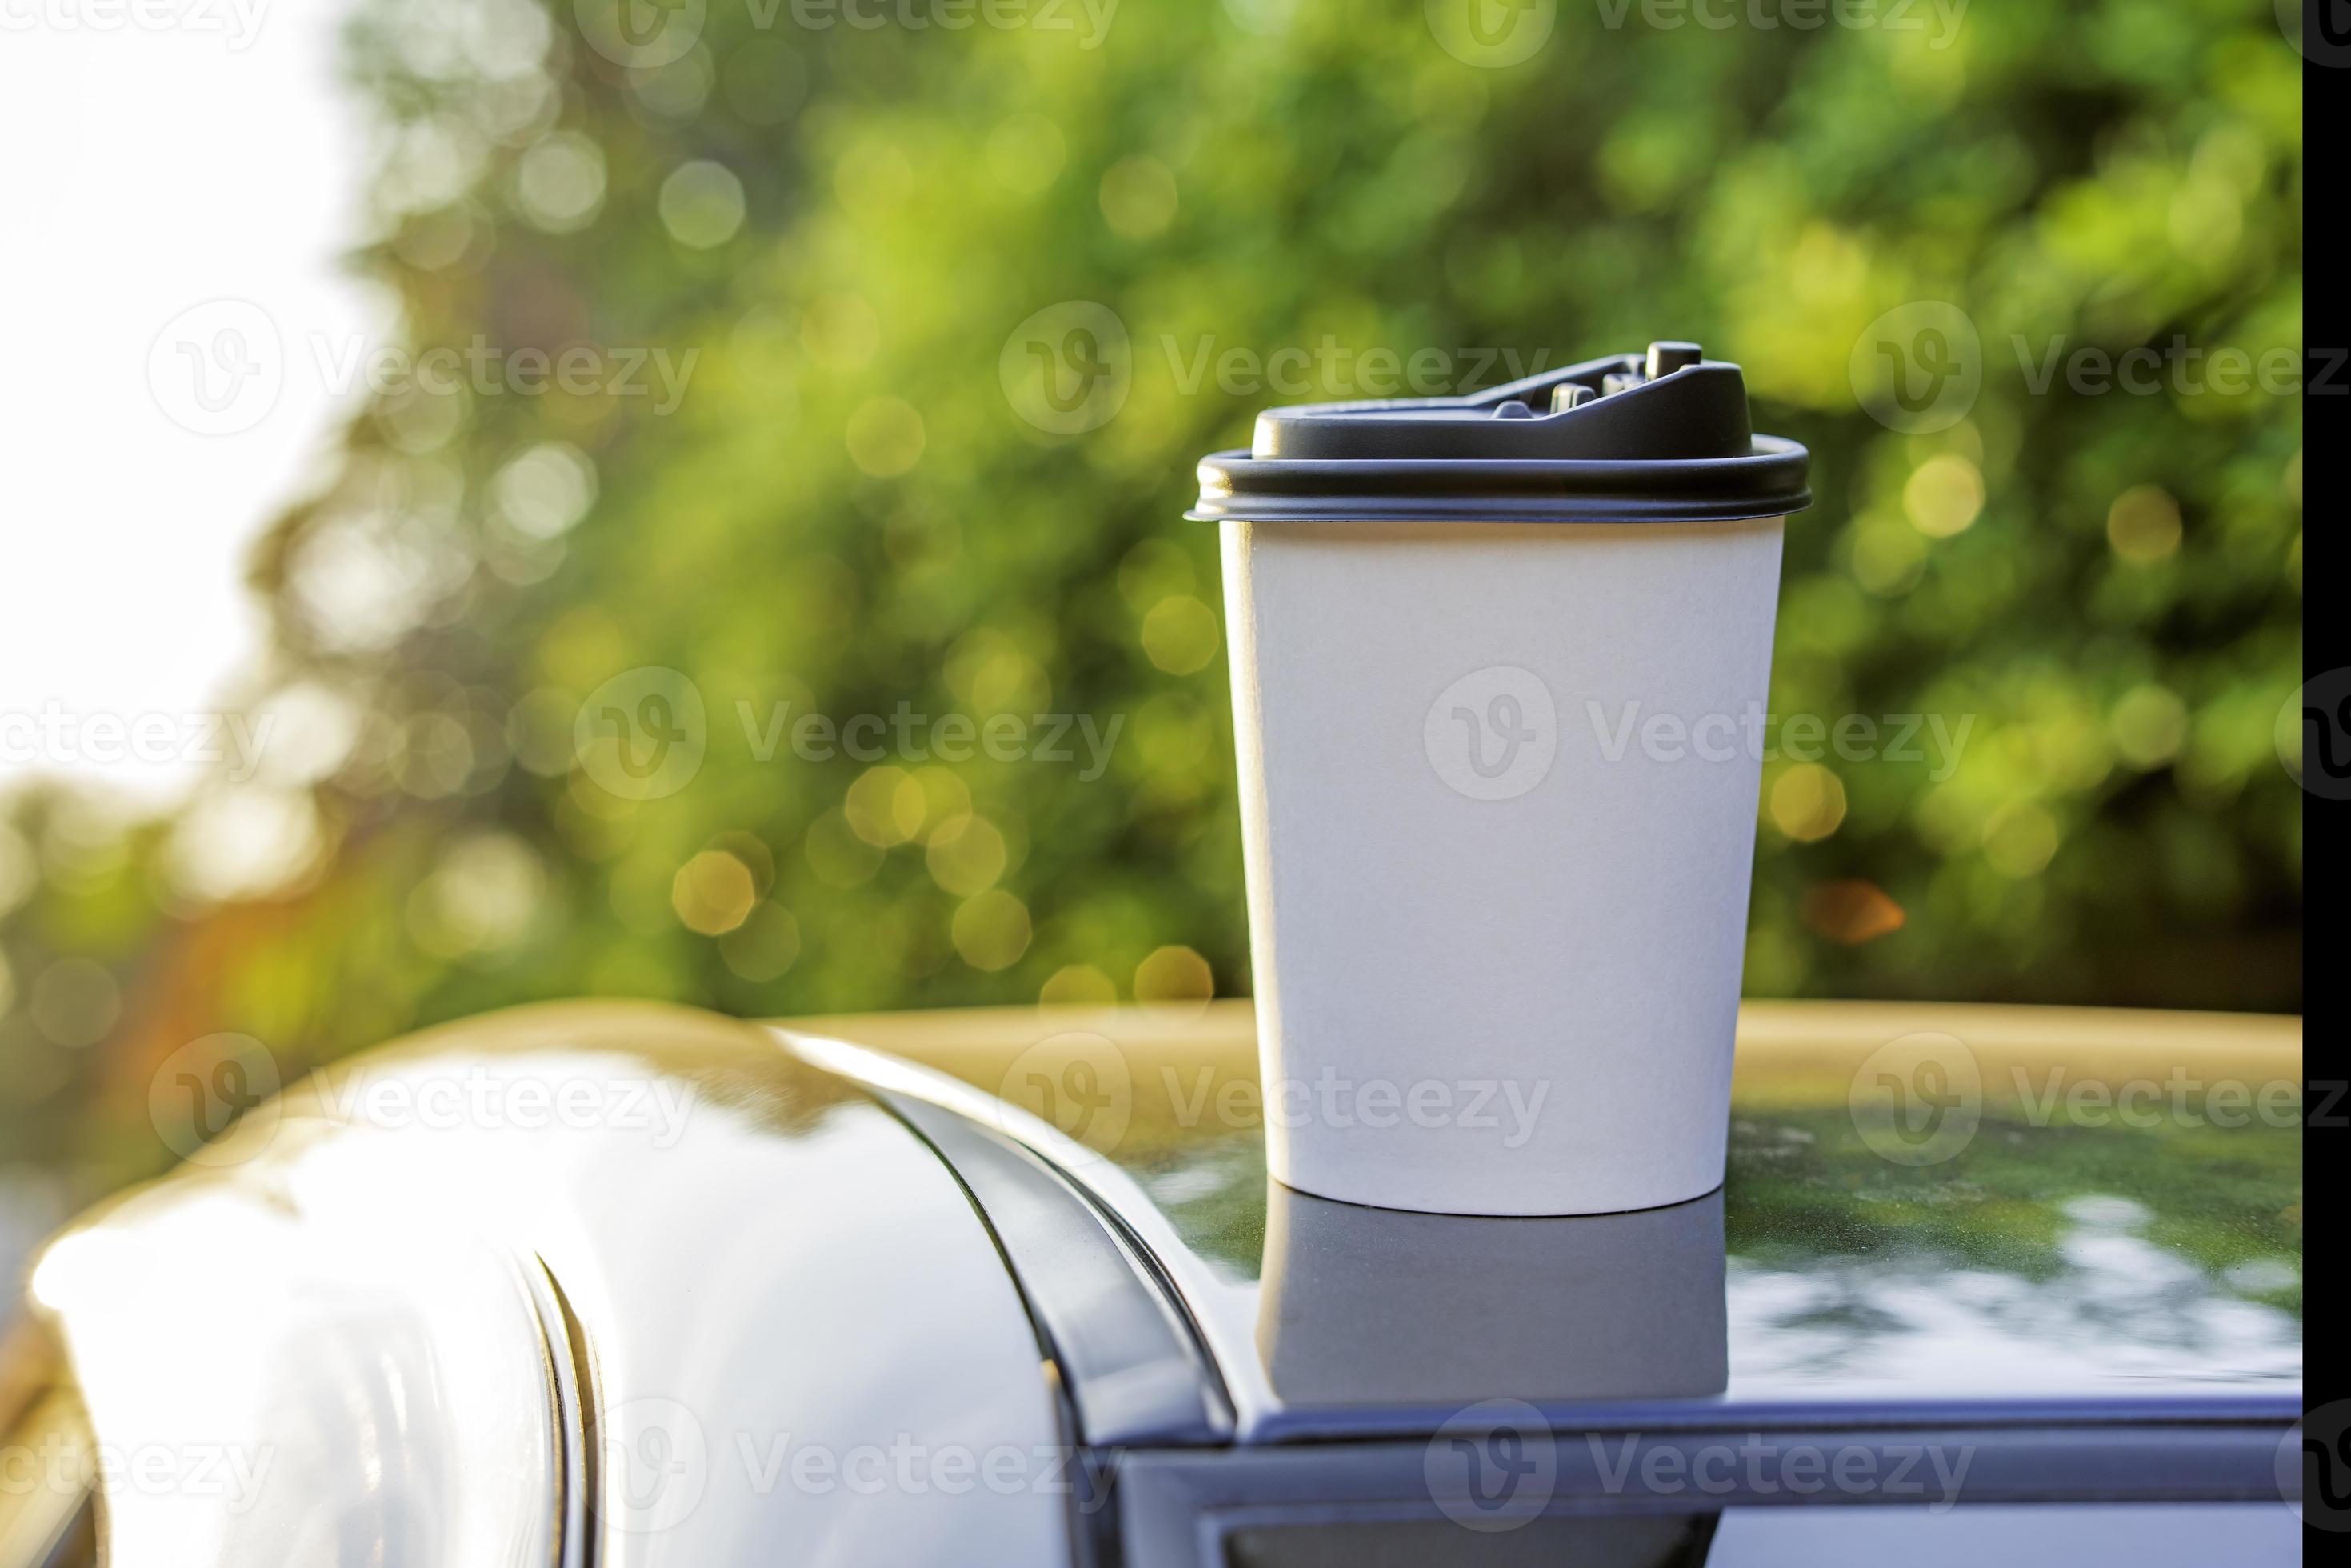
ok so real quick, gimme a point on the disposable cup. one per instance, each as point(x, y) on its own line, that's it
point(1499, 727)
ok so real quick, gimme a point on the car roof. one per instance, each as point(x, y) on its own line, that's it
point(2099, 1246)
point(450, 1283)
point(858, 1243)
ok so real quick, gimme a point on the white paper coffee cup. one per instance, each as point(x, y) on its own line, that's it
point(1498, 781)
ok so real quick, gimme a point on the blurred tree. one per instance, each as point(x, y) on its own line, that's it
point(737, 436)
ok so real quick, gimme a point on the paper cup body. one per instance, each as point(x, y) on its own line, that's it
point(1499, 788)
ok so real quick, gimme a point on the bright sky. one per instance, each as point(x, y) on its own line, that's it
point(151, 171)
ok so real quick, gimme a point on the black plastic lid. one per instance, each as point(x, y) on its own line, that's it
point(1660, 437)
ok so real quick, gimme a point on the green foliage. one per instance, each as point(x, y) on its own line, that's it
point(844, 511)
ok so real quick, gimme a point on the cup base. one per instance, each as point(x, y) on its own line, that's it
point(1420, 1197)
